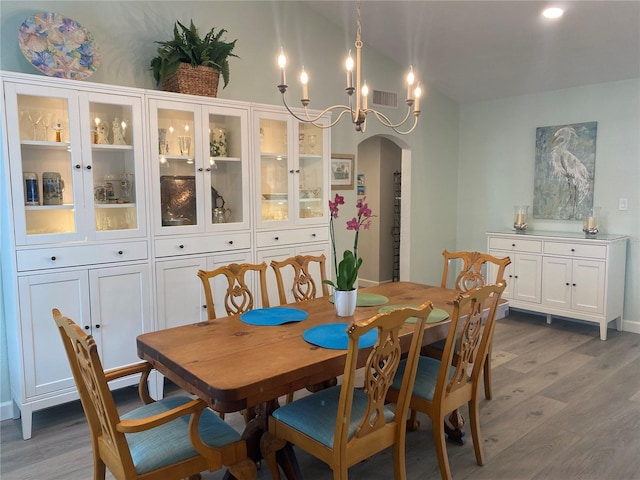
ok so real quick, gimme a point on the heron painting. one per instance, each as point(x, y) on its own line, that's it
point(564, 171)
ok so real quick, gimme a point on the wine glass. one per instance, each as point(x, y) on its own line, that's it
point(34, 118)
point(46, 123)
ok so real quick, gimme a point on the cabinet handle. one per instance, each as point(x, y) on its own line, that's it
point(120, 252)
point(53, 259)
point(290, 171)
point(88, 167)
point(567, 284)
point(200, 169)
point(510, 276)
point(313, 235)
point(513, 245)
point(86, 327)
point(276, 238)
point(515, 276)
point(574, 284)
point(298, 171)
point(78, 166)
point(207, 169)
point(204, 306)
point(180, 246)
point(230, 242)
point(97, 325)
point(573, 249)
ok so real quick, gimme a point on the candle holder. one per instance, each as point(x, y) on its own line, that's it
point(520, 217)
point(590, 226)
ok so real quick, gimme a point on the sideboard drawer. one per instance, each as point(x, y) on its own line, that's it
point(169, 247)
point(575, 250)
point(516, 245)
point(289, 237)
point(71, 256)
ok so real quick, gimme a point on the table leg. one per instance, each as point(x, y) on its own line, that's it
point(253, 432)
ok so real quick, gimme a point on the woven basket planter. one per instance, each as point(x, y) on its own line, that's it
point(198, 80)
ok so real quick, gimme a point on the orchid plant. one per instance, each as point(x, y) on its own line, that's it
point(347, 269)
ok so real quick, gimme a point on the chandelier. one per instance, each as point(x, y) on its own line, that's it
point(357, 104)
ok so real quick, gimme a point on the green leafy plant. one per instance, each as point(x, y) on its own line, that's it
point(347, 269)
point(187, 47)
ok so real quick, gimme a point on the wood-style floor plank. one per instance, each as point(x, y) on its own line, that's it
point(566, 406)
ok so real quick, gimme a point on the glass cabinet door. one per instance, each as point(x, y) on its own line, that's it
point(46, 166)
point(112, 140)
point(175, 164)
point(311, 180)
point(226, 171)
point(275, 170)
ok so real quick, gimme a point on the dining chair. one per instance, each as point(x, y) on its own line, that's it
point(303, 285)
point(444, 385)
point(471, 276)
point(173, 438)
point(238, 297)
point(344, 425)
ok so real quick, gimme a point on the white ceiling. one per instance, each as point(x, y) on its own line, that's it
point(481, 50)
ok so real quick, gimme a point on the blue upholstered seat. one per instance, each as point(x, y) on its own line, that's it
point(315, 415)
point(426, 377)
point(169, 443)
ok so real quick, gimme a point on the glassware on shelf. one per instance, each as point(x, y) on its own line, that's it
point(32, 191)
point(312, 144)
point(126, 187)
point(117, 127)
point(163, 146)
point(184, 143)
point(58, 130)
point(34, 118)
point(46, 123)
point(521, 217)
point(52, 188)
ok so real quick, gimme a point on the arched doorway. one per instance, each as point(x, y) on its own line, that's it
point(384, 168)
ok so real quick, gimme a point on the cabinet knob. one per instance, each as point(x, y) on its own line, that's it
point(200, 169)
point(53, 259)
point(515, 276)
point(513, 244)
point(574, 284)
point(86, 327)
point(290, 171)
point(573, 249)
point(510, 276)
point(204, 306)
point(313, 235)
point(298, 171)
point(180, 246)
point(78, 166)
point(276, 238)
point(88, 167)
point(207, 169)
point(230, 242)
point(567, 284)
point(97, 325)
point(120, 252)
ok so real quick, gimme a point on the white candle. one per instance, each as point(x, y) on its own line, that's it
point(519, 218)
point(282, 62)
point(304, 79)
point(410, 80)
point(591, 223)
point(365, 92)
point(349, 66)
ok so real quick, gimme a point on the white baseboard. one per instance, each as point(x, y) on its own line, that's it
point(630, 326)
point(6, 410)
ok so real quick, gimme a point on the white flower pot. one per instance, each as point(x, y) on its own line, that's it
point(345, 302)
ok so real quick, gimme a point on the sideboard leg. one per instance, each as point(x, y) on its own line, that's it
point(549, 319)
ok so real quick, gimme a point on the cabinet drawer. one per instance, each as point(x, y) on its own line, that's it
point(515, 244)
point(70, 256)
point(169, 247)
point(288, 237)
point(575, 249)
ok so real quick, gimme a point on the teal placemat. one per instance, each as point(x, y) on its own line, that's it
point(273, 316)
point(368, 300)
point(437, 315)
point(335, 337)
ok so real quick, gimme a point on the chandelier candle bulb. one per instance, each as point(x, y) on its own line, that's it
point(282, 62)
point(365, 93)
point(418, 93)
point(410, 80)
point(349, 65)
point(304, 79)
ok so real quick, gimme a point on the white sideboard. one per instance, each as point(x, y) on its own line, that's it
point(564, 274)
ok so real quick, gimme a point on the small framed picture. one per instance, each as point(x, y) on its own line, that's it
point(342, 171)
point(361, 179)
point(361, 190)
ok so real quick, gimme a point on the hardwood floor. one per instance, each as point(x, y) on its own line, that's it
point(566, 406)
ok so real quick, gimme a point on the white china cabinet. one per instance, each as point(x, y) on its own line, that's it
point(201, 198)
point(74, 233)
point(564, 274)
point(291, 173)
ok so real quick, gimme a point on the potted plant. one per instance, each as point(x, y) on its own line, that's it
point(190, 64)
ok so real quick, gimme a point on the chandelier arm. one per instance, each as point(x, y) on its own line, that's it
point(386, 121)
point(315, 119)
point(407, 132)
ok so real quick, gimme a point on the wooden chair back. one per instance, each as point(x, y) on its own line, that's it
point(304, 286)
point(471, 275)
point(377, 428)
point(95, 395)
point(238, 297)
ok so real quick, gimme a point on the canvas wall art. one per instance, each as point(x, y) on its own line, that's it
point(564, 171)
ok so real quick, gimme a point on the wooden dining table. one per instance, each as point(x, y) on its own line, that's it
point(233, 365)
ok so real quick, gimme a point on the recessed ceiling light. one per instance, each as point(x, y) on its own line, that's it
point(552, 12)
